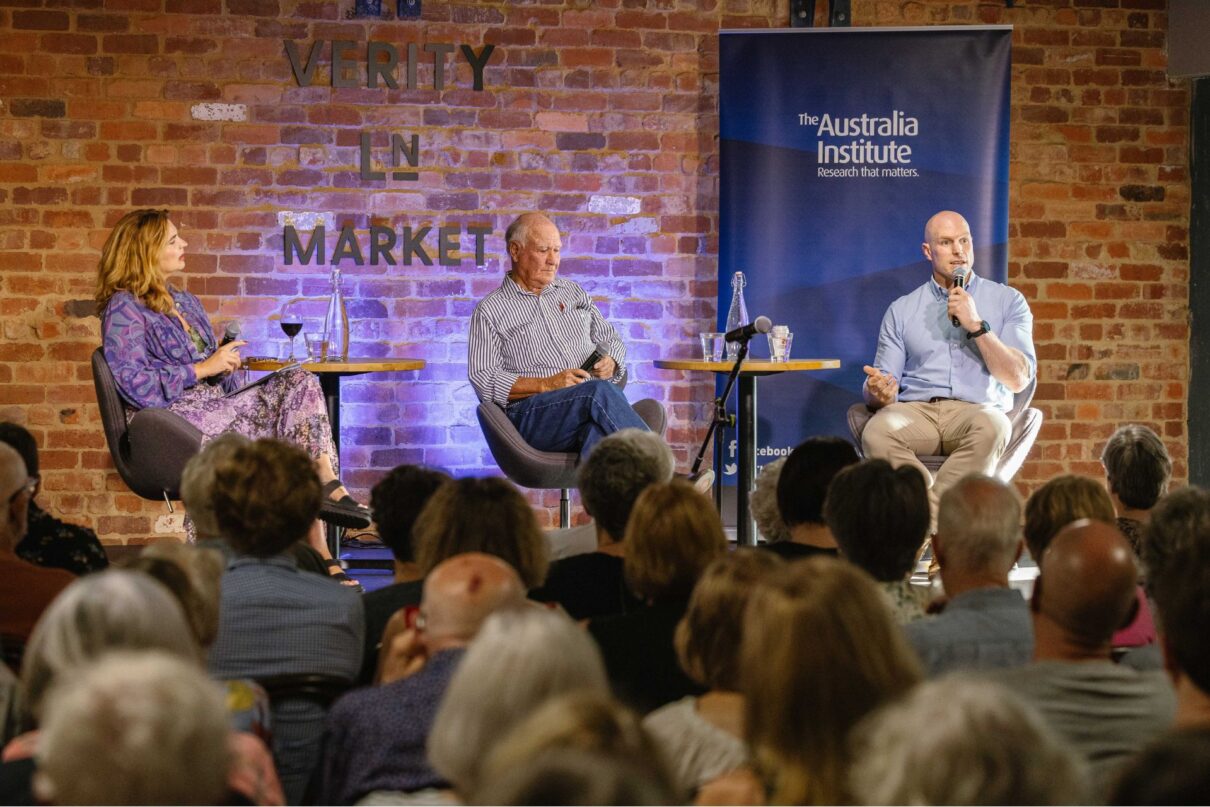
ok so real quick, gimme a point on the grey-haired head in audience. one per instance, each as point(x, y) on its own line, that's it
point(520, 658)
point(960, 740)
point(134, 728)
point(618, 469)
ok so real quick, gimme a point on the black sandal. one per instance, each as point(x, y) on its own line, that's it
point(343, 512)
point(342, 577)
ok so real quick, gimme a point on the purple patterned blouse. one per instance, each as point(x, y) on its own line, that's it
point(150, 354)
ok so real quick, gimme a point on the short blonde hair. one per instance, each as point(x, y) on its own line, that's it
point(130, 260)
point(197, 480)
point(673, 534)
point(820, 651)
point(203, 566)
point(585, 720)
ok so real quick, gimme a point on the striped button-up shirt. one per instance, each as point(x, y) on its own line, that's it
point(518, 334)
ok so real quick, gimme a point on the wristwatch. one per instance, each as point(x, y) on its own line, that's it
point(983, 328)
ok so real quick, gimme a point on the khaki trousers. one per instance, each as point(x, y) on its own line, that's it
point(972, 437)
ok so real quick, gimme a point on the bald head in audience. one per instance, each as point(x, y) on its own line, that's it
point(463, 591)
point(1085, 592)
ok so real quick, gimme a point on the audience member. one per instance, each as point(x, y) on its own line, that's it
point(1086, 591)
point(145, 728)
point(375, 739)
point(197, 481)
point(486, 515)
point(273, 619)
point(673, 534)
point(802, 488)
point(984, 623)
point(820, 651)
point(961, 741)
point(1173, 770)
point(585, 721)
point(879, 516)
point(763, 505)
point(25, 589)
point(396, 502)
point(1059, 502)
point(703, 737)
point(193, 574)
point(620, 467)
point(1176, 554)
point(574, 777)
point(520, 658)
point(99, 613)
point(1137, 468)
point(49, 541)
point(1069, 498)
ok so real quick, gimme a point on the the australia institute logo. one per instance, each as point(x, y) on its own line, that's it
point(864, 145)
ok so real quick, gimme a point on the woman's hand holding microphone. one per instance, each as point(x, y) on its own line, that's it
point(225, 359)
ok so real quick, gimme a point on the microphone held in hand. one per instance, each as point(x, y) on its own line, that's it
point(961, 275)
point(746, 332)
point(231, 334)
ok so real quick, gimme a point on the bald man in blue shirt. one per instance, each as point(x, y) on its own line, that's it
point(941, 388)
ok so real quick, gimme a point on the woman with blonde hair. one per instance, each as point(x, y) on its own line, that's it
point(673, 534)
point(162, 351)
point(704, 736)
point(820, 652)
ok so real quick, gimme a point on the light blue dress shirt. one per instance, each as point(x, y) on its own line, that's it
point(919, 345)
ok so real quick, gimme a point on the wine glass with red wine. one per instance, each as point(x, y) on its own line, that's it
point(291, 323)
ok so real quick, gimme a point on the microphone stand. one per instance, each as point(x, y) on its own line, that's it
point(721, 416)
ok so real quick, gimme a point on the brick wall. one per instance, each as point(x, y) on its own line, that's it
point(603, 113)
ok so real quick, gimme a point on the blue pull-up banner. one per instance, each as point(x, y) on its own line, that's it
point(838, 144)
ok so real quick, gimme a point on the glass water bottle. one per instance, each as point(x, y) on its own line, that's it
point(336, 323)
point(737, 314)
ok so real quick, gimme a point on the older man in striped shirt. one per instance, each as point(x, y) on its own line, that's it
point(530, 340)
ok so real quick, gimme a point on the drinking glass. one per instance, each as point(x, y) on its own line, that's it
point(317, 346)
point(291, 322)
point(712, 346)
point(780, 340)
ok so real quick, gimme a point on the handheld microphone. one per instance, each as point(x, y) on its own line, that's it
point(746, 332)
point(961, 275)
point(230, 334)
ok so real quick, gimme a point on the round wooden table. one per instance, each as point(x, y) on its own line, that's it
point(330, 373)
point(745, 528)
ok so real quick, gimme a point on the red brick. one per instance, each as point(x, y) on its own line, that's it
point(69, 43)
point(41, 20)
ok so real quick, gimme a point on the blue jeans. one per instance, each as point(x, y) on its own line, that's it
point(573, 418)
